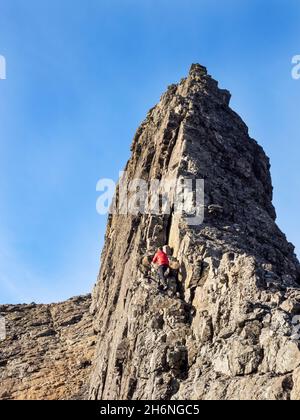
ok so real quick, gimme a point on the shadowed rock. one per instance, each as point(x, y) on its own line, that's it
point(231, 334)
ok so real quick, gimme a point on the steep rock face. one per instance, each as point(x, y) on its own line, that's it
point(230, 334)
point(47, 351)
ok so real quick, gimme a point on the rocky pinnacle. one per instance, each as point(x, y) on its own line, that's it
point(232, 331)
point(231, 327)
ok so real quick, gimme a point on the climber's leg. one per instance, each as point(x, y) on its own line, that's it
point(161, 274)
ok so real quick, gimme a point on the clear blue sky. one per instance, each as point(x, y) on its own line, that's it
point(81, 76)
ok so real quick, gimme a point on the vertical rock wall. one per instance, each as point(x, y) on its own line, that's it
point(229, 334)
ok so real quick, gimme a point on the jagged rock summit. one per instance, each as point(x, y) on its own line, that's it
point(232, 329)
point(232, 333)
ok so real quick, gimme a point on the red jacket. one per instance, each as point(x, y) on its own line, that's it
point(161, 258)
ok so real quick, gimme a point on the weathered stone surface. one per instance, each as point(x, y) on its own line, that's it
point(48, 350)
point(229, 328)
point(230, 334)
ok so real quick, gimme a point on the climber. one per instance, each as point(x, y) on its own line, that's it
point(162, 260)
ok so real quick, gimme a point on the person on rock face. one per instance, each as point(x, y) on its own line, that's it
point(162, 260)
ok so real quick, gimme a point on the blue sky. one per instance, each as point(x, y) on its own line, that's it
point(81, 76)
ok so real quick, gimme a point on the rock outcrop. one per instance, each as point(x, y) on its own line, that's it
point(227, 328)
point(232, 332)
point(47, 352)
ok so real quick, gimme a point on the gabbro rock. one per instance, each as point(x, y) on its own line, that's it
point(47, 352)
point(231, 328)
point(230, 334)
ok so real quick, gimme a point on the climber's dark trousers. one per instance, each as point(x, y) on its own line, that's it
point(161, 273)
